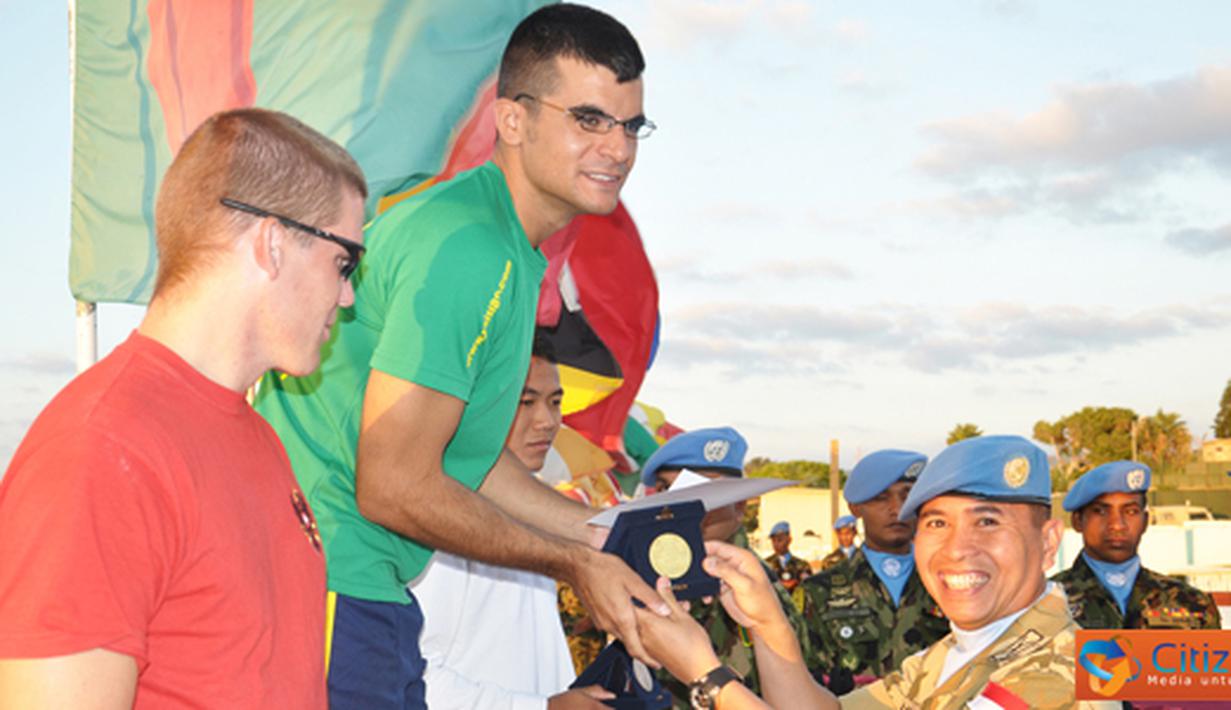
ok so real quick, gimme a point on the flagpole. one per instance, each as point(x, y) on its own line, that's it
point(87, 334)
point(87, 312)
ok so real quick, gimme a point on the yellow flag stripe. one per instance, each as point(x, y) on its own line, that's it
point(584, 389)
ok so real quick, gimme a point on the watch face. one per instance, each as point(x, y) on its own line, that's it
point(699, 698)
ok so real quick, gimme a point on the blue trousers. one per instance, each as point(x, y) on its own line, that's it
point(374, 661)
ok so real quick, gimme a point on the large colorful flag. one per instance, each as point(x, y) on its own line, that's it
point(406, 87)
point(388, 80)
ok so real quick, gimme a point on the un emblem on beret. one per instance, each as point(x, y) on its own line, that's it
point(1136, 479)
point(716, 450)
point(1016, 471)
point(913, 471)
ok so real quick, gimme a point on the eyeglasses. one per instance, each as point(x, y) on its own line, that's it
point(593, 120)
point(354, 249)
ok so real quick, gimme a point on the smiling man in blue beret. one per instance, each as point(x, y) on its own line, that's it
point(868, 614)
point(1107, 586)
point(984, 541)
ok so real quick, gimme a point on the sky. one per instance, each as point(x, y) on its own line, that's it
point(870, 221)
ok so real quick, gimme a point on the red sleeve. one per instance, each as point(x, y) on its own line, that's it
point(88, 532)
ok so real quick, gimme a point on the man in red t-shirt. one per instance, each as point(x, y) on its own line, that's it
point(155, 549)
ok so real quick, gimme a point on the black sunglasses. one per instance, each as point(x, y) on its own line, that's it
point(354, 250)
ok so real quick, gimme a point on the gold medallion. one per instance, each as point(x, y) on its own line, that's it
point(670, 555)
point(1016, 472)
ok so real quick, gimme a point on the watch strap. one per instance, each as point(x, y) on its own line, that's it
point(703, 692)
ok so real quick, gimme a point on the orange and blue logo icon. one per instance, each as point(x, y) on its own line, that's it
point(1110, 663)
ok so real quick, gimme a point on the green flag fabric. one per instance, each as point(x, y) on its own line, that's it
point(391, 81)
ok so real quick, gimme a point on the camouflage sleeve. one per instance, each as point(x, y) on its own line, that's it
point(896, 690)
point(816, 635)
point(1213, 619)
point(795, 617)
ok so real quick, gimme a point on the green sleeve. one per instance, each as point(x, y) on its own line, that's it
point(443, 307)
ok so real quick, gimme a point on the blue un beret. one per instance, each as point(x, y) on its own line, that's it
point(1007, 468)
point(1114, 477)
point(781, 527)
point(879, 470)
point(846, 521)
point(720, 448)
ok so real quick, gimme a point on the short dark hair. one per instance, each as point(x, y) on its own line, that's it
point(542, 347)
point(565, 30)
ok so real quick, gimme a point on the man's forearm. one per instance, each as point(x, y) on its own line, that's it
point(517, 492)
point(785, 680)
point(446, 515)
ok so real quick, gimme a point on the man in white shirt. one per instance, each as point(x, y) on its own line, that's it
point(492, 636)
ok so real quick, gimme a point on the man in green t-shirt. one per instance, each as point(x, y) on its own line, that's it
point(398, 440)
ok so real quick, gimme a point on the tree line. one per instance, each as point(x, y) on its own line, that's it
point(1082, 440)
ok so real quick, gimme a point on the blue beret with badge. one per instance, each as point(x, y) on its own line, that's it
point(1004, 468)
point(1114, 477)
point(846, 521)
point(781, 527)
point(717, 448)
point(879, 470)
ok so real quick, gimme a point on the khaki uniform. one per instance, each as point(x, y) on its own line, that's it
point(833, 559)
point(855, 628)
point(1033, 659)
point(1156, 602)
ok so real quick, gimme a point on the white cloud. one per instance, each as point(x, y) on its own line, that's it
point(683, 23)
point(38, 363)
point(1148, 126)
point(1200, 242)
point(822, 269)
point(851, 30)
point(751, 339)
point(1089, 154)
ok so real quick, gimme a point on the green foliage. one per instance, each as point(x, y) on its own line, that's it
point(963, 431)
point(1085, 439)
point(1222, 422)
point(1164, 442)
point(810, 474)
point(1095, 435)
point(752, 515)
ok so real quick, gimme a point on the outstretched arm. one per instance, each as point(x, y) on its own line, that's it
point(401, 485)
point(750, 599)
point(516, 491)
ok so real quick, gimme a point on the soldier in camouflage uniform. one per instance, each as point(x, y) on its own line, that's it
point(787, 569)
point(1107, 586)
point(864, 621)
point(844, 530)
point(712, 453)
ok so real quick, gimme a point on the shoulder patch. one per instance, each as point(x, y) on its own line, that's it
point(1020, 645)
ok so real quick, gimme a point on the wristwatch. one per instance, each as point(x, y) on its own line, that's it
point(703, 692)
